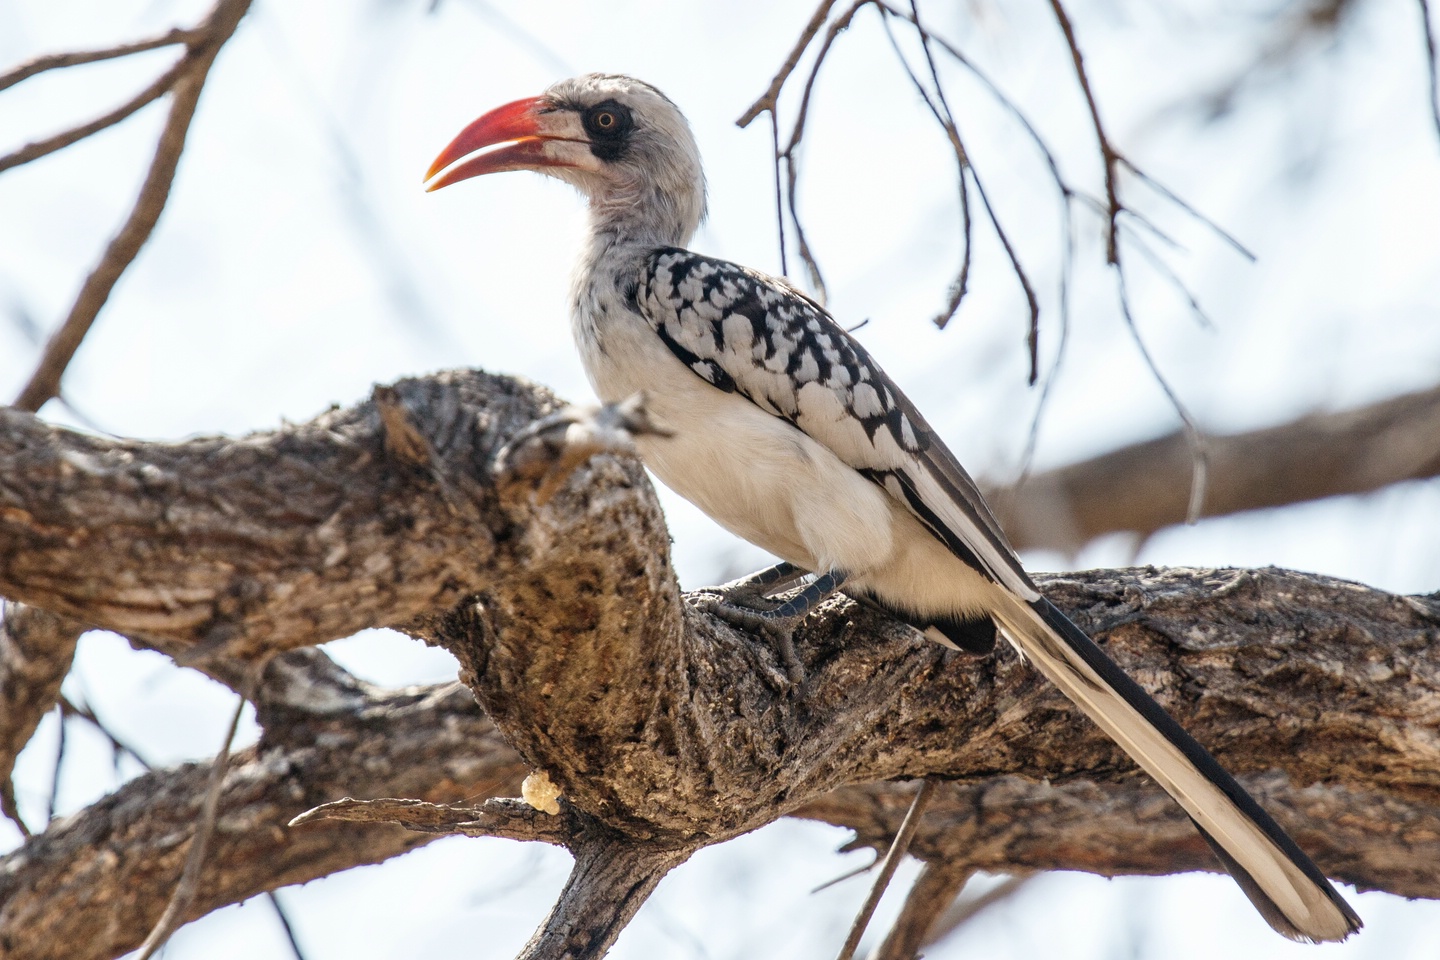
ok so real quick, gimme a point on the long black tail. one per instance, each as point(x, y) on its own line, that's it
point(1283, 883)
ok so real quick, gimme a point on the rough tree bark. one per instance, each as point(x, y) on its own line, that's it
point(665, 730)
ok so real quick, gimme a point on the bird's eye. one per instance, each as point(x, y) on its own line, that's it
point(607, 121)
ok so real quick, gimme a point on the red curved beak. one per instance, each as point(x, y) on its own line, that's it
point(517, 124)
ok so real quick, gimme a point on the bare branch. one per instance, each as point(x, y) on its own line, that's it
point(768, 100)
point(54, 61)
point(511, 819)
point(262, 540)
point(43, 148)
point(284, 917)
point(658, 723)
point(1194, 437)
point(1108, 154)
point(941, 112)
point(893, 856)
point(187, 79)
point(935, 889)
point(610, 881)
point(797, 133)
point(188, 885)
point(1237, 656)
point(1142, 488)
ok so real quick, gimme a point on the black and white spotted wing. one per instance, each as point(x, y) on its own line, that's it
point(752, 334)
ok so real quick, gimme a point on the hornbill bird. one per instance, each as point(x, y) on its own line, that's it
point(782, 428)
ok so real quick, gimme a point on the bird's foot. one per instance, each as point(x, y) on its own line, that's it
point(779, 630)
point(746, 604)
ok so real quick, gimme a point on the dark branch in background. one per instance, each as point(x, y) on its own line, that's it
point(1140, 488)
point(184, 82)
point(61, 735)
point(284, 917)
point(1430, 64)
point(118, 747)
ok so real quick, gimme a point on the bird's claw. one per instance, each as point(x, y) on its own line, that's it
point(780, 630)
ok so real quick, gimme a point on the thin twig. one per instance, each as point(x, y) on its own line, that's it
point(122, 250)
point(768, 99)
point(1107, 152)
point(931, 896)
point(779, 202)
point(941, 111)
point(1180, 202)
point(1430, 58)
point(285, 924)
point(189, 882)
point(11, 808)
point(1168, 272)
point(797, 133)
point(117, 746)
point(60, 744)
point(54, 61)
point(1067, 261)
point(946, 120)
point(887, 868)
point(1031, 300)
point(1199, 460)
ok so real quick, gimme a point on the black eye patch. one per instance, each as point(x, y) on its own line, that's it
point(608, 124)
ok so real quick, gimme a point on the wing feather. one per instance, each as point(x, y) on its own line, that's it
point(756, 335)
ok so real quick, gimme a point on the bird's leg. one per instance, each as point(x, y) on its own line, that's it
point(760, 585)
point(778, 622)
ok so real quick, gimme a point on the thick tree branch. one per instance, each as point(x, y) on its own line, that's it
point(261, 544)
point(666, 730)
point(1146, 487)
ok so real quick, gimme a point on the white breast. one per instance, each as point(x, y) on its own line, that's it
point(761, 477)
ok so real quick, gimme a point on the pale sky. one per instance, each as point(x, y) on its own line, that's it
point(300, 262)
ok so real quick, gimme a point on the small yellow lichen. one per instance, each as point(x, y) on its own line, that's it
point(540, 792)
